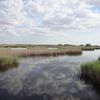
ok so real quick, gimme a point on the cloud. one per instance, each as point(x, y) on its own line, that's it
point(93, 2)
point(81, 15)
point(24, 17)
point(12, 15)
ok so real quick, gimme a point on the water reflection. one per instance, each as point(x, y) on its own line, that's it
point(47, 79)
point(8, 67)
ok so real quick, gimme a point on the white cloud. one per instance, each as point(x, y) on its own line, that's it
point(47, 16)
point(93, 2)
point(11, 15)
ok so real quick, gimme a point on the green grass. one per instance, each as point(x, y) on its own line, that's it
point(99, 58)
point(7, 62)
point(91, 71)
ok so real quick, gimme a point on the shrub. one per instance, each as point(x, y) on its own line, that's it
point(88, 44)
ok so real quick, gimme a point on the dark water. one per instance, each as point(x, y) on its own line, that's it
point(48, 79)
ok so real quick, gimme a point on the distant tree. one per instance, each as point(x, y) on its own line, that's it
point(88, 44)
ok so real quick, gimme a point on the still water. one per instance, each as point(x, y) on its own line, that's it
point(51, 78)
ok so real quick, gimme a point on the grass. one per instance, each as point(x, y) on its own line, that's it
point(7, 62)
point(99, 58)
point(90, 71)
point(41, 51)
point(8, 55)
point(88, 48)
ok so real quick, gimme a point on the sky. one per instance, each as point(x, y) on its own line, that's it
point(49, 21)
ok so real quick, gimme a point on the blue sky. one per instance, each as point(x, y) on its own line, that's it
point(50, 21)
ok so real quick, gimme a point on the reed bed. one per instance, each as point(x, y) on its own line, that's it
point(90, 48)
point(7, 62)
point(90, 71)
point(40, 52)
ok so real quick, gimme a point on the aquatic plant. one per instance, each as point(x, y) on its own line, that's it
point(7, 62)
point(90, 71)
point(99, 58)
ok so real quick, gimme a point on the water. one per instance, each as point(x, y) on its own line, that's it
point(18, 49)
point(52, 48)
point(51, 78)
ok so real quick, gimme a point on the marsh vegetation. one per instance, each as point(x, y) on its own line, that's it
point(7, 62)
point(90, 71)
point(42, 51)
point(9, 53)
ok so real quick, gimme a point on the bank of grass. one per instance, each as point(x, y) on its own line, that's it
point(51, 53)
point(88, 48)
point(7, 62)
point(41, 51)
point(90, 71)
